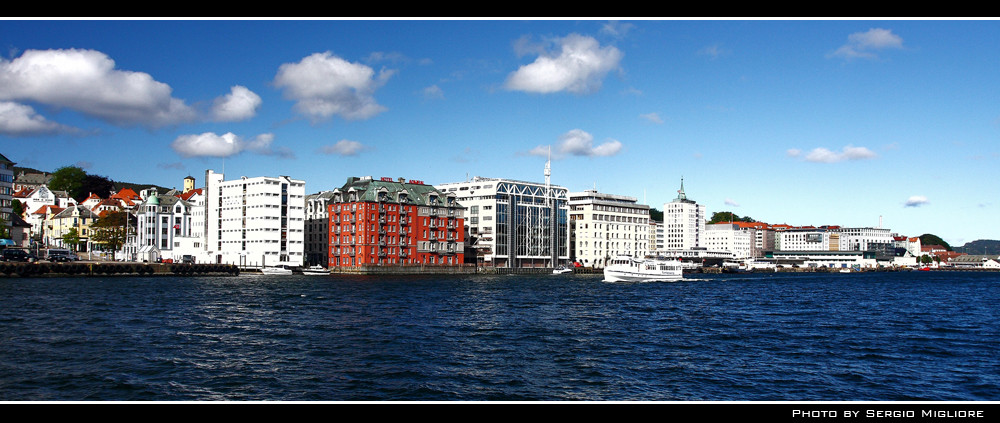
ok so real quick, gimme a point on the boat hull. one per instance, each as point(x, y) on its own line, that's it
point(626, 276)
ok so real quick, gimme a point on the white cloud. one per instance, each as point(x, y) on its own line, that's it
point(823, 155)
point(239, 104)
point(433, 92)
point(652, 117)
point(324, 85)
point(343, 148)
point(713, 51)
point(916, 201)
point(212, 145)
point(578, 143)
point(866, 44)
point(21, 120)
point(86, 81)
point(579, 66)
point(616, 28)
point(730, 202)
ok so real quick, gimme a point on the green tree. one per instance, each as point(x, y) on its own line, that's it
point(930, 239)
point(111, 231)
point(17, 208)
point(70, 179)
point(926, 259)
point(71, 238)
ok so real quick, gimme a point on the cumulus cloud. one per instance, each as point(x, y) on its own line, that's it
point(239, 104)
point(324, 85)
point(865, 44)
point(578, 66)
point(86, 81)
point(343, 148)
point(823, 155)
point(212, 145)
point(731, 202)
point(578, 143)
point(21, 120)
point(916, 201)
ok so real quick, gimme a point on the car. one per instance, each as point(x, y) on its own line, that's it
point(187, 259)
point(15, 254)
point(59, 258)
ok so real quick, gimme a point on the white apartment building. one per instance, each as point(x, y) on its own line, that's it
point(254, 221)
point(864, 239)
point(6, 192)
point(603, 226)
point(731, 238)
point(804, 239)
point(683, 222)
point(514, 223)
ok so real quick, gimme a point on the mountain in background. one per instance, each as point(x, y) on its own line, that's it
point(981, 246)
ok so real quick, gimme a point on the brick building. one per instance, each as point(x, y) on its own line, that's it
point(390, 222)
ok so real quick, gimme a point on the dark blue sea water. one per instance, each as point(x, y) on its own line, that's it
point(920, 336)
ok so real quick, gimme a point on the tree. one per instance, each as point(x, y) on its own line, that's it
point(111, 231)
point(71, 238)
point(100, 185)
point(69, 179)
point(17, 208)
point(930, 239)
point(925, 259)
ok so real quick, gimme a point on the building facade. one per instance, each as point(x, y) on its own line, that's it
point(255, 221)
point(683, 222)
point(730, 237)
point(603, 226)
point(515, 223)
point(389, 222)
point(317, 226)
point(162, 220)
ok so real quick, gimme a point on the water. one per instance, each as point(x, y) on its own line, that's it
point(918, 336)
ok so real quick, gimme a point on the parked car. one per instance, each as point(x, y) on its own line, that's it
point(16, 254)
point(187, 259)
point(61, 255)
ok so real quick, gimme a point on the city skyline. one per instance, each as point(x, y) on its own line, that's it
point(829, 122)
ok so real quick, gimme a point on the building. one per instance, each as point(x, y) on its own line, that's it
point(31, 180)
point(62, 224)
point(161, 220)
point(514, 223)
point(683, 222)
point(823, 258)
point(731, 237)
point(603, 226)
point(655, 236)
point(317, 227)
point(6, 196)
point(975, 261)
point(388, 222)
point(865, 239)
point(805, 238)
point(255, 221)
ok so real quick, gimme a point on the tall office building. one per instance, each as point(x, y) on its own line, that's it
point(683, 222)
point(603, 226)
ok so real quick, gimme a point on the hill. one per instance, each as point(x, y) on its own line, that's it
point(981, 246)
point(118, 185)
point(930, 239)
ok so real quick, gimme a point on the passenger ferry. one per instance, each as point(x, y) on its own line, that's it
point(629, 269)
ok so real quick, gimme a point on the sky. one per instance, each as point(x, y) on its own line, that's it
point(802, 122)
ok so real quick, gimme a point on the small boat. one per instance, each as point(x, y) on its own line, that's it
point(845, 270)
point(925, 269)
point(629, 269)
point(315, 270)
point(276, 270)
point(561, 270)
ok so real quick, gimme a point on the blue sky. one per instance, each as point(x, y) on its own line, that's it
point(804, 122)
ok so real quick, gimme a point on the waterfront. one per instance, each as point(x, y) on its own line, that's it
point(914, 336)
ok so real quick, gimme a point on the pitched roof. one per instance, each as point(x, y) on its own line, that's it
point(416, 193)
point(68, 212)
point(187, 195)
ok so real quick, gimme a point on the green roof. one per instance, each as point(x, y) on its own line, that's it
point(416, 193)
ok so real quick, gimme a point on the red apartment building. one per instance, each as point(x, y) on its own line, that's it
point(389, 222)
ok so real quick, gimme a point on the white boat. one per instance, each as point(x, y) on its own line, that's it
point(561, 270)
point(315, 270)
point(276, 270)
point(629, 269)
